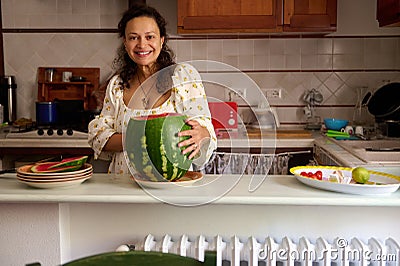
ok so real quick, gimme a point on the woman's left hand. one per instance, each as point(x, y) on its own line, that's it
point(197, 133)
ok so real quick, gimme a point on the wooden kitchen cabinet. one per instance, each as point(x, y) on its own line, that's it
point(310, 15)
point(256, 16)
point(79, 90)
point(227, 16)
point(388, 13)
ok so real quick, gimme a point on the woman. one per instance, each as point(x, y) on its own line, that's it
point(143, 53)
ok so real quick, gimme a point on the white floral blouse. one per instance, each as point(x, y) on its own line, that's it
point(187, 97)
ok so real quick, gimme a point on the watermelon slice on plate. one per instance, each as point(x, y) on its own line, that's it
point(66, 165)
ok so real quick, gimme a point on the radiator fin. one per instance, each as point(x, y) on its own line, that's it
point(270, 252)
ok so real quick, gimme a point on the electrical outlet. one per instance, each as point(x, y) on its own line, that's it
point(236, 94)
point(241, 92)
point(273, 93)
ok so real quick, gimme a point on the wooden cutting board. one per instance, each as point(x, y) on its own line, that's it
point(280, 133)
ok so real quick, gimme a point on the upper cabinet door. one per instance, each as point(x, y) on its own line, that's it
point(388, 13)
point(310, 15)
point(229, 16)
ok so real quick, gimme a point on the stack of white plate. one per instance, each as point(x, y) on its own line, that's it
point(54, 180)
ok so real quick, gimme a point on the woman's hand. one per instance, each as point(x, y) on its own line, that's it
point(197, 133)
point(114, 143)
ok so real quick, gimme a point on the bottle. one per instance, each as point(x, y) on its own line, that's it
point(8, 98)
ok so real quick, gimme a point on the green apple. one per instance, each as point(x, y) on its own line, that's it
point(360, 175)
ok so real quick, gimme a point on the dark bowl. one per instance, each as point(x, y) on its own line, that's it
point(77, 79)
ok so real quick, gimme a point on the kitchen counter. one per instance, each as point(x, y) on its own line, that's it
point(43, 143)
point(222, 143)
point(274, 190)
point(346, 158)
point(31, 149)
point(266, 143)
point(280, 138)
point(54, 226)
point(233, 139)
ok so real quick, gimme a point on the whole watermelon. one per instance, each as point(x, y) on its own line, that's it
point(151, 143)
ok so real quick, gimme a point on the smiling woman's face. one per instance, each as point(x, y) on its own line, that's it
point(142, 40)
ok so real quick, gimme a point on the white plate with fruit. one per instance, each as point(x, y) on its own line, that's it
point(356, 180)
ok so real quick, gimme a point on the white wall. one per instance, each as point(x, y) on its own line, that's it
point(358, 17)
point(29, 233)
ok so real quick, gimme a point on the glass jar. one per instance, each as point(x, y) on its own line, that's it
point(49, 74)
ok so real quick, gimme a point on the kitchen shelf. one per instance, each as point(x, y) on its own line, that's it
point(73, 90)
point(68, 83)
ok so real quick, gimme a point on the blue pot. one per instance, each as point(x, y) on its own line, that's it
point(46, 113)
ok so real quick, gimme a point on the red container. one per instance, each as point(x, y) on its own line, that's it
point(224, 115)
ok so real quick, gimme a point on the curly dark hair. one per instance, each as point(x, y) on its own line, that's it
point(123, 64)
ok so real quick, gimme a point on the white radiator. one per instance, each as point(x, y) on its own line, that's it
point(268, 251)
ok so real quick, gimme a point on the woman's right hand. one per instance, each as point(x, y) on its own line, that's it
point(197, 134)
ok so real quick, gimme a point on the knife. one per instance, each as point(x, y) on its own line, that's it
point(12, 170)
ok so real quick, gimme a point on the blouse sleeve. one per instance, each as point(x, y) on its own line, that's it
point(191, 100)
point(103, 126)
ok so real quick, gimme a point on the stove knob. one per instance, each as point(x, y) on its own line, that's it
point(50, 132)
point(40, 132)
point(70, 132)
point(60, 132)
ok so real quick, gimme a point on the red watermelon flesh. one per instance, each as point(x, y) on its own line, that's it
point(73, 161)
point(46, 168)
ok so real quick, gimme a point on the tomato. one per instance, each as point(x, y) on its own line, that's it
point(318, 175)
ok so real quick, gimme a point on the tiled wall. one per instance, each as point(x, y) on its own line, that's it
point(296, 54)
point(62, 13)
point(337, 66)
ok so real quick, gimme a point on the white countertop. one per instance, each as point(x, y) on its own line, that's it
point(44, 143)
point(222, 143)
point(275, 190)
point(266, 143)
point(346, 158)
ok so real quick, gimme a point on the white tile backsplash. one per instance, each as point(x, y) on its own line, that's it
point(215, 50)
point(62, 13)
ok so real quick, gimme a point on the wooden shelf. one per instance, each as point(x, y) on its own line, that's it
point(67, 83)
point(74, 90)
